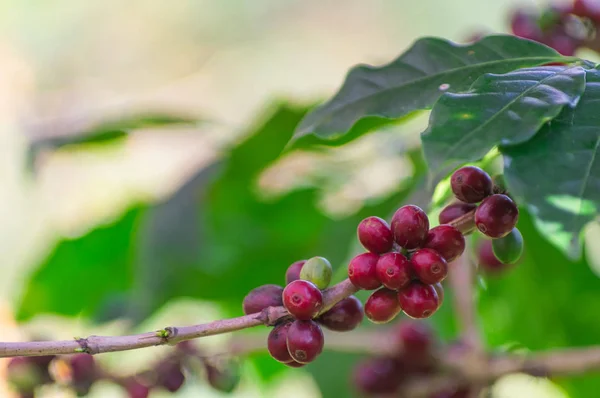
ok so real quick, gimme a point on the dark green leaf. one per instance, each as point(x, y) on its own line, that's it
point(417, 78)
point(557, 174)
point(498, 110)
point(86, 275)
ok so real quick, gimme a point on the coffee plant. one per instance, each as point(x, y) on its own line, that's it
point(511, 149)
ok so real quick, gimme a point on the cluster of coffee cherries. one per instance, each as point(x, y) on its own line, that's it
point(298, 340)
point(79, 372)
point(411, 357)
point(565, 27)
point(495, 216)
point(406, 262)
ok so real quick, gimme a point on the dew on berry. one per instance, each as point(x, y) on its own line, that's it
point(496, 216)
point(375, 235)
point(293, 271)
point(302, 299)
point(471, 184)
point(261, 298)
point(277, 343)
point(448, 241)
point(419, 300)
point(344, 316)
point(508, 249)
point(318, 271)
point(429, 266)
point(382, 306)
point(410, 226)
point(393, 270)
point(362, 271)
point(454, 211)
point(305, 341)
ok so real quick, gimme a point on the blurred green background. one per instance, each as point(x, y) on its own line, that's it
point(193, 204)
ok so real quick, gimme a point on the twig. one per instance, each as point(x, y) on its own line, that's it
point(169, 335)
point(464, 223)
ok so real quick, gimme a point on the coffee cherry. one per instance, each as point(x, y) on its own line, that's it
point(524, 24)
point(382, 306)
point(509, 248)
point(470, 184)
point(376, 376)
point(293, 272)
point(448, 241)
point(416, 339)
point(277, 343)
point(224, 377)
point(135, 389)
point(418, 300)
point(318, 271)
point(83, 373)
point(295, 364)
point(302, 299)
point(262, 297)
point(362, 271)
point(305, 341)
point(587, 8)
point(393, 270)
point(454, 211)
point(496, 216)
point(375, 235)
point(170, 376)
point(409, 226)
point(439, 289)
point(487, 260)
point(429, 266)
point(23, 375)
point(344, 316)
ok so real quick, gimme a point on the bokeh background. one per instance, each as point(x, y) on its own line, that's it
point(174, 221)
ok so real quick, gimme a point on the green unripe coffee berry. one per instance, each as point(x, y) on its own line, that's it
point(318, 271)
point(509, 248)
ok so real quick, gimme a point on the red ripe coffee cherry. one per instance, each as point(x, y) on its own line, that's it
point(448, 241)
point(377, 376)
point(416, 339)
point(170, 376)
point(496, 216)
point(419, 300)
point(487, 260)
point(135, 389)
point(293, 272)
point(262, 297)
point(305, 341)
point(429, 266)
point(470, 184)
point(295, 364)
point(302, 299)
point(410, 226)
point(344, 316)
point(393, 270)
point(277, 343)
point(362, 271)
point(375, 235)
point(382, 306)
point(454, 211)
